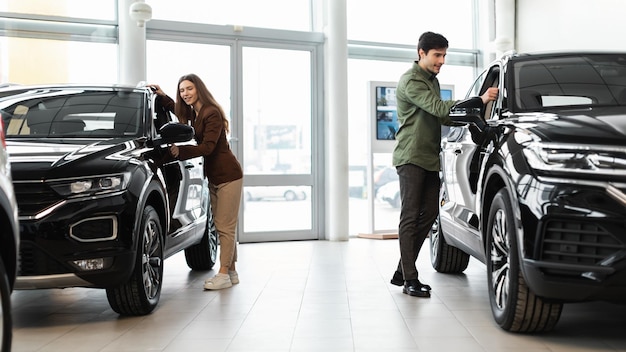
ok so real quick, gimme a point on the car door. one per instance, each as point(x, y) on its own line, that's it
point(187, 190)
point(462, 155)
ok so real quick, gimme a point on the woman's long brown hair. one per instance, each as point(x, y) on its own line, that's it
point(185, 112)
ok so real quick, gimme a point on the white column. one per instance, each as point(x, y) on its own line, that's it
point(336, 122)
point(132, 47)
point(505, 26)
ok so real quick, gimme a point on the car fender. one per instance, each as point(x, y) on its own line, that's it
point(11, 242)
point(501, 175)
point(152, 193)
point(496, 178)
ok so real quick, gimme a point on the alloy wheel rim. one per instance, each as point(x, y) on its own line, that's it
point(500, 260)
point(434, 238)
point(151, 261)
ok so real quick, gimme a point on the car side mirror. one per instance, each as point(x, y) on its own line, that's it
point(173, 132)
point(468, 111)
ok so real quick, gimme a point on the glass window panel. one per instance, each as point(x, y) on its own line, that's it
point(402, 22)
point(276, 14)
point(277, 208)
point(93, 9)
point(277, 111)
point(39, 61)
point(165, 68)
point(360, 73)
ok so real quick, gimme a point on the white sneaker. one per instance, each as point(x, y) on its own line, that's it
point(218, 282)
point(234, 277)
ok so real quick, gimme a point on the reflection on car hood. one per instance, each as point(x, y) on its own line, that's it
point(35, 160)
point(581, 126)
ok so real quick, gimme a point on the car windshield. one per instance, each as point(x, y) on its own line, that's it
point(57, 113)
point(569, 81)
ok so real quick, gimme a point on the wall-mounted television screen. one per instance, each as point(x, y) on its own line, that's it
point(386, 115)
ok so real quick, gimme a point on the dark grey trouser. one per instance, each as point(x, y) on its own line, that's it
point(419, 192)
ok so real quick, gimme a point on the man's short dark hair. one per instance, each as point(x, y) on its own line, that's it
point(430, 40)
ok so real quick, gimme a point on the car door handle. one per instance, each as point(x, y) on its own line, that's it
point(189, 165)
point(458, 151)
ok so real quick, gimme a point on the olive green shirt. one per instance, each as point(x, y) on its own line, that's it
point(421, 112)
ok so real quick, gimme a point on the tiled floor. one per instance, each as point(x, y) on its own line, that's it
point(305, 296)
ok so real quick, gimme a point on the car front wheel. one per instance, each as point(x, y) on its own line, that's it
point(5, 309)
point(141, 293)
point(514, 306)
point(444, 257)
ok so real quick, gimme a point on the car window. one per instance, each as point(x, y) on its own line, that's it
point(475, 88)
point(569, 81)
point(489, 78)
point(76, 113)
point(492, 79)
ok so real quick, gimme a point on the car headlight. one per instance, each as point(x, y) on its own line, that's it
point(572, 158)
point(87, 186)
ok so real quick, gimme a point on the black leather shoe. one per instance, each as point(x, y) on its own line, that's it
point(397, 279)
point(426, 286)
point(415, 288)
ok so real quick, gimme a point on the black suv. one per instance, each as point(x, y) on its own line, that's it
point(9, 242)
point(534, 185)
point(100, 202)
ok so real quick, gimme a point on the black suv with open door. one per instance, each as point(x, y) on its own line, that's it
point(101, 204)
point(9, 243)
point(534, 185)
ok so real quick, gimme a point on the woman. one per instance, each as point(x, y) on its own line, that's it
point(195, 105)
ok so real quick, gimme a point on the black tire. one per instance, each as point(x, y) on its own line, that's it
point(141, 293)
point(514, 306)
point(444, 257)
point(202, 256)
point(5, 309)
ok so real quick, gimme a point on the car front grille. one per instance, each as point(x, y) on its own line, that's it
point(577, 242)
point(34, 261)
point(33, 197)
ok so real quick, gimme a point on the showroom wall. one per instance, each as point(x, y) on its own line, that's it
point(546, 25)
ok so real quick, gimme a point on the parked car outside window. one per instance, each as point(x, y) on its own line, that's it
point(288, 193)
point(101, 203)
point(534, 186)
point(390, 193)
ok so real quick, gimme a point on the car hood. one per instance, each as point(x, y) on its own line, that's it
point(39, 160)
point(600, 126)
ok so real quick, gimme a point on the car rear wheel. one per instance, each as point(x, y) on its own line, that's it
point(203, 255)
point(5, 309)
point(444, 257)
point(514, 306)
point(140, 295)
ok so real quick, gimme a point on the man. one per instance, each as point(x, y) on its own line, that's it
point(421, 112)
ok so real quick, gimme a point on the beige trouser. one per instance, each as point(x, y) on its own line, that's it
point(225, 200)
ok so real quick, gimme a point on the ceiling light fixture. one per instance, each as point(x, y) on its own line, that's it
point(140, 12)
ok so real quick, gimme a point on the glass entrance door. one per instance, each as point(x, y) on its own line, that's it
point(280, 198)
point(268, 94)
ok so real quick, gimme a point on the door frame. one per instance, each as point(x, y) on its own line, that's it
point(312, 42)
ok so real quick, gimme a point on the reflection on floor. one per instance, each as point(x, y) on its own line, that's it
point(305, 296)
